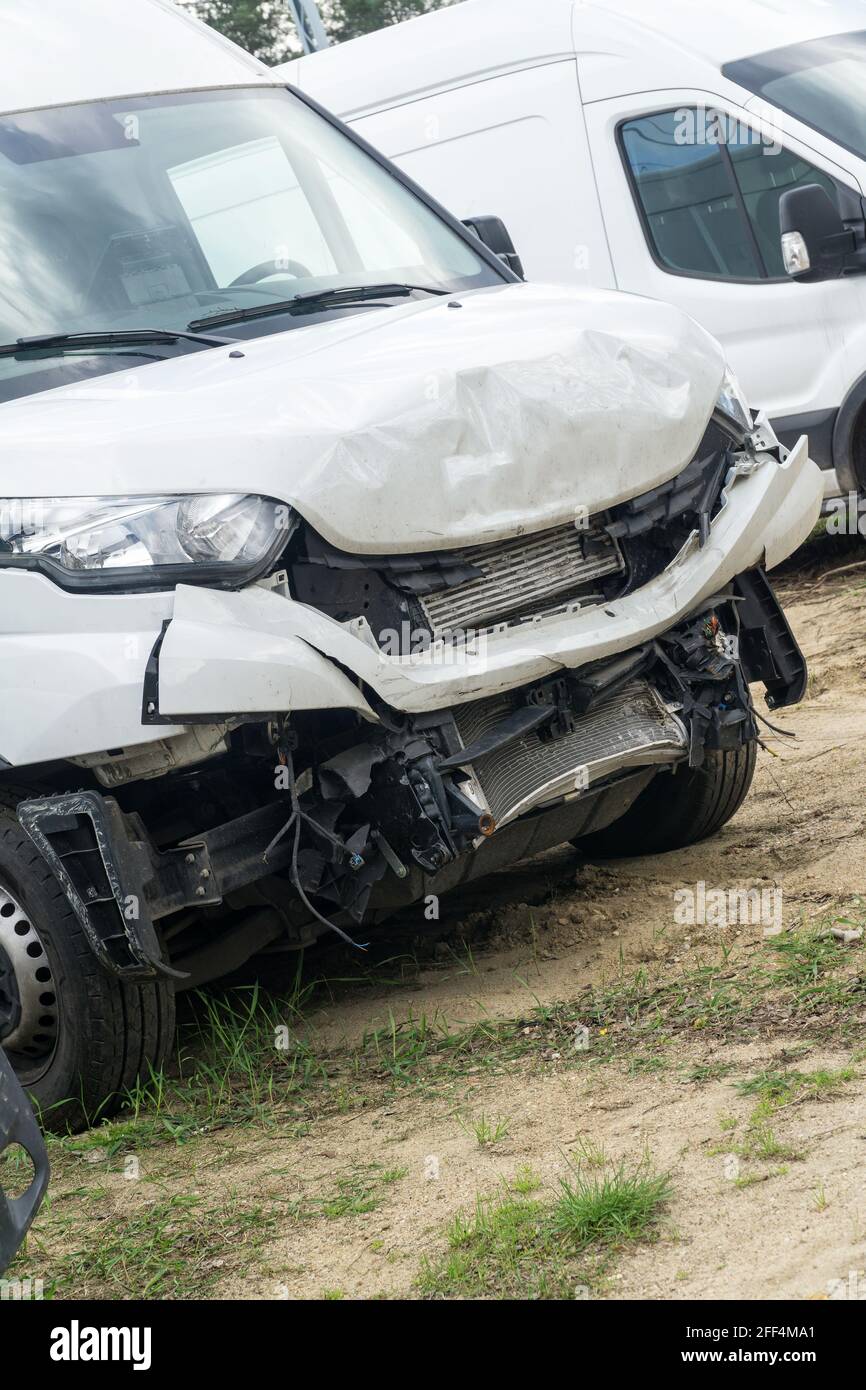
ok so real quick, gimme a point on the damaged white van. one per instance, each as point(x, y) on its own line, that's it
point(337, 566)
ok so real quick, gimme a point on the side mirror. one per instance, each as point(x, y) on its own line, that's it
point(493, 232)
point(815, 241)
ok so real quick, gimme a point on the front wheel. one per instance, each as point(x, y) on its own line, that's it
point(678, 808)
point(80, 1037)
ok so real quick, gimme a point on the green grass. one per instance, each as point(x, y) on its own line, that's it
point(750, 1179)
point(250, 1058)
point(504, 1249)
point(525, 1181)
point(616, 1205)
point(179, 1247)
point(514, 1246)
point(710, 1071)
point(355, 1194)
point(486, 1130)
point(761, 1143)
point(776, 1089)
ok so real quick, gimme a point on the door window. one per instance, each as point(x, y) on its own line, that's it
point(708, 189)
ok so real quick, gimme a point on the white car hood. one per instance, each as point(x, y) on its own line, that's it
point(419, 427)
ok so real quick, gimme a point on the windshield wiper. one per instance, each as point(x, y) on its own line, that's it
point(315, 299)
point(123, 336)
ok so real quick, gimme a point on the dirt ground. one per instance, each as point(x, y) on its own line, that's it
point(348, 1187)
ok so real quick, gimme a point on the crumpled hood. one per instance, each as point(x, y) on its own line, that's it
point(420, 427)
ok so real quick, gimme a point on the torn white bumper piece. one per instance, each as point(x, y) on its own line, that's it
point(256, 651)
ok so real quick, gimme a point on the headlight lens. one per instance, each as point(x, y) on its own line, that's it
point(110, 535)
point(733, 403)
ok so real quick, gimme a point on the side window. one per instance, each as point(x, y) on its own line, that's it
point(709, 190)
point(685, 187)
point(764, 173)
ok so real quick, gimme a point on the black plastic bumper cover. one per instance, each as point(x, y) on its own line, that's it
point(768, 648)
point(18, 1126)
point(118, 883)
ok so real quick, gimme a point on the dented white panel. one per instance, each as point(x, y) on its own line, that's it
point(420, 427)
point(59, 51)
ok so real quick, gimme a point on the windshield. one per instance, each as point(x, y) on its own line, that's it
point(161, 211)
point(822, 83)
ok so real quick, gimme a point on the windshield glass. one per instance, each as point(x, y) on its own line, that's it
point(822, 82)
point(158, 211)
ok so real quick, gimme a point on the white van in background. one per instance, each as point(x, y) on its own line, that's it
point(647, 149)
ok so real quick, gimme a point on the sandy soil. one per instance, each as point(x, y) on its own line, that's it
point(540, 935)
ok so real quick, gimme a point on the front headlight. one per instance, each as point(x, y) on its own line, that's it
point(143, 540)
point(732, 402)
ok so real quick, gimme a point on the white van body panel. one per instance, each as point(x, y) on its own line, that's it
point(501, 150)
point(628, 46)
point(778, 335)
point(475, 101)
point(122, 48)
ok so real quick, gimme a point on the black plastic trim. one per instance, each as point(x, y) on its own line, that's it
point(851, 470)
point(18, 1126)
point(768, 648)
point(818, 424)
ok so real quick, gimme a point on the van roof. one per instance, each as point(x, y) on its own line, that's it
point(55, 52)
point(624, 46)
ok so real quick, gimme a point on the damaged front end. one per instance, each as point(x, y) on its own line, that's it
point(359, 726)
point(351, 817)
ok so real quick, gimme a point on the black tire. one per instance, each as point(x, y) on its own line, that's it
point(678, 808)
point(106, 1034)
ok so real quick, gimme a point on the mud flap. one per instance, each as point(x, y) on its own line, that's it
point(18, 1126)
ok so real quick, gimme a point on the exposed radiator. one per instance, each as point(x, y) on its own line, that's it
point(522, 578)
point(631, 728)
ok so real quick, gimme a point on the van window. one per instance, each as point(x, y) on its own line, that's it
point(822, 82)
point(763, 174)
point(686, 191)
point(709, 188)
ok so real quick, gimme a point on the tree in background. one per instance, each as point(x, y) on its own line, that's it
point(346, 19)
point(266, 28)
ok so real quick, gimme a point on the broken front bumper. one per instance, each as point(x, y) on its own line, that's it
point(259, 652)
point(80, 674)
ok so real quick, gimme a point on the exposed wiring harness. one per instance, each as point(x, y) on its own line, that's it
point(295, 822)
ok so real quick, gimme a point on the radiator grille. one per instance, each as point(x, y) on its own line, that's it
point(627, 729)
point(524, 577)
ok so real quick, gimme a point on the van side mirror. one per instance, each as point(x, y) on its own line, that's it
point(493, 232)
point(815, 241)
